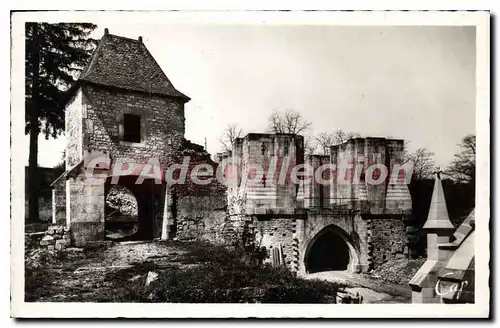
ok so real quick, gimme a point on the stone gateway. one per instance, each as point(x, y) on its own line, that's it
point(123, 106)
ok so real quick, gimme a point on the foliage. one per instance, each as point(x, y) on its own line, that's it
point(459, 202)
point(223, 276)
point(54, 54)
point(288, 121)
point(310, 145)
point(230, 134)
point(423, 164)
point(327, 139)
point(463, 167)
point(459, 191)
point(198, 273)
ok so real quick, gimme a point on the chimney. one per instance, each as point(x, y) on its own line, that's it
point(140, 39)
point(106, 31)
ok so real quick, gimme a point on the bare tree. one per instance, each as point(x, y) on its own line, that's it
point(327, 139)
point(310, 145)
point(406, 153)
point(229, 136)
point(423, 164)
point(340, 136)
point(463, 167)
point(289, 121)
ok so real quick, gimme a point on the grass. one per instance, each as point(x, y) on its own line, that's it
point(204, 273)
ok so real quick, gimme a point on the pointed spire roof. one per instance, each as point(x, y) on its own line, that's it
point(127, 64)
point(438, 214)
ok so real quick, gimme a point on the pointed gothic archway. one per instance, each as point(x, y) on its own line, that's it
point(331, 249)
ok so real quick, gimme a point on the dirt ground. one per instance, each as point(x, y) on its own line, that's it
point(93, 272)
point(372, 290)
point(93, 275)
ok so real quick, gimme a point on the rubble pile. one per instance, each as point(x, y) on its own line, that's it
point(398, 271)
point(56, 238)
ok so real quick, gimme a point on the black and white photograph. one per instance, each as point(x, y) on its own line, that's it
point(174, 164)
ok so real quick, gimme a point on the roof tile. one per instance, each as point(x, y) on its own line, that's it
point(127, 64)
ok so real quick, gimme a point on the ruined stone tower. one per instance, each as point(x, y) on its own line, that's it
point(123, 106)
point(356, 225)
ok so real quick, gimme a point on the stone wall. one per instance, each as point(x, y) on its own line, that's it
point(200, 210)
point(162, 124)
point(94, 121)
point(56, 238)
point(261, 170)
point(363, 195)
point(85, 202)
point(278, 232)
point(352, 227)
point(201, 217)
point(74, 130)
point(388, 239)
point(59, 203)
point(317, 195)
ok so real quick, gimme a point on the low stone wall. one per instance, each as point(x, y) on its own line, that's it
point(56, 238)
point(201, 218)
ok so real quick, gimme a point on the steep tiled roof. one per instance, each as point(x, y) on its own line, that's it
point(127, 64)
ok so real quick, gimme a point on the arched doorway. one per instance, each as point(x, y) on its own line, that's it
point(331, 250)
point(142, 222)
point(121, 210)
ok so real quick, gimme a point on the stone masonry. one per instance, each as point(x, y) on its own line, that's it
point(369, 219)
point(355, 226)
point(121, 79)
point(56, 238)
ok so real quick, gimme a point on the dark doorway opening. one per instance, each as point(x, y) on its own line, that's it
point(141, 226)
point(121, 212)
point(329, 252)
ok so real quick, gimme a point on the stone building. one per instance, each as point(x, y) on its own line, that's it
point(319, 226)
point(124, 107)
point(448, 274)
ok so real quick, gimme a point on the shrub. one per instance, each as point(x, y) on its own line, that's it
point(224, 276)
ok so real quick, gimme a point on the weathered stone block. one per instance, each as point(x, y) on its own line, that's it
point(47, 240)
point(55, 229)
point(61, 244)
point(84, 233)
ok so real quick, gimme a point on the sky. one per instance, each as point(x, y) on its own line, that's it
point(408, 82)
